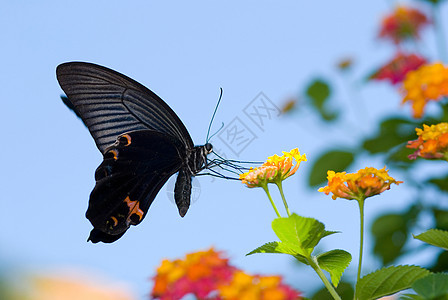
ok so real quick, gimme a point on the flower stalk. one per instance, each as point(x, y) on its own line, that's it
point(361, 235)
point(266, 189)
point(280, 188)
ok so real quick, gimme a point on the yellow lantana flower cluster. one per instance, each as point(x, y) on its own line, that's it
point(427, 83)
point(432, 142)
point(365, 183)
point(275, 169)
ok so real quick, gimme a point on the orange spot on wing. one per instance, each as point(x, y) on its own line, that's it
point(134, 208)
point(115, 153)
point(115, 220)
point(128, 139)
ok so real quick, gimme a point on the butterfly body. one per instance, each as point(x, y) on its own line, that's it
point(143, 143)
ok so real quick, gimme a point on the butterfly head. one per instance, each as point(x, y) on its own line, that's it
point(208, 148)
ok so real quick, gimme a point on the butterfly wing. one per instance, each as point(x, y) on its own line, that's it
point(133, 171)
point(111, 103)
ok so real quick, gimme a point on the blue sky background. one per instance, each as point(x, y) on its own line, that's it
point(184, 51)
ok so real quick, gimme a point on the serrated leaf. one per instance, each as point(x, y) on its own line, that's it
point(388, 281)
point(327, 233)
point(273, 247)
point(299, 233)
point(435, 237)
point(278, 247)
point(432, 286)
point(332, 160)
point(334, 262)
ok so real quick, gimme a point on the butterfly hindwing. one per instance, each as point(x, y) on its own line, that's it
point(133, 171)
point(111, 103)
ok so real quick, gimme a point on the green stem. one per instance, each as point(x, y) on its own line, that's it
point(265, 188)
point(330, 288)
point(280, 188)
point(361, 239)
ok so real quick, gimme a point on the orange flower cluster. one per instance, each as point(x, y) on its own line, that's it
point(275, 169)
point(432, 142)
point(207, 275)
point(247, 287)
point(396, 69)
point(365, 183)
point(199, 274)
point(429, 82)
point(404, 23)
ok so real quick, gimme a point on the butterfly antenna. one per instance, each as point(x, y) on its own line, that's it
point(213, 117)
point(217, 131)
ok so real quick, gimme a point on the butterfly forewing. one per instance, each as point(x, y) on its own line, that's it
point(111, 103)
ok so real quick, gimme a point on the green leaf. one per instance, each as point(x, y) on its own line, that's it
point(327, 233)
point(301, 234)
point(298, 235)
point(273, 247)
point(279, 247)
point(388, 281)
point(392, 132)
point(335, 160)
point(318, 92)
point(436, 237)
point(432, 286)
point(334, 262)
point(390, 233)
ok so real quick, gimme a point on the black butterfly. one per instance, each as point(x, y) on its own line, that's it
point(143, 143)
